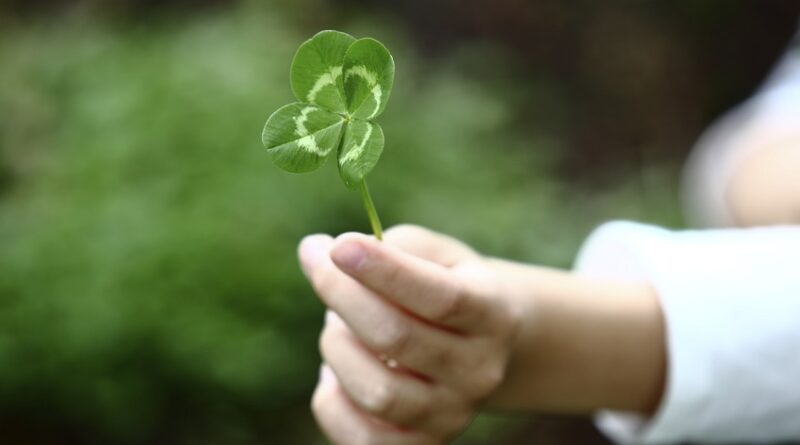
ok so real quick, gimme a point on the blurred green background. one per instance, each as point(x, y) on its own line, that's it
point(149, 291)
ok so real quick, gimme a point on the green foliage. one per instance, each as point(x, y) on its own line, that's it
point(361, 147)
point(342, 83)
point(368, 71)
point(317, 69)
point(301, 136)
point(147, 292)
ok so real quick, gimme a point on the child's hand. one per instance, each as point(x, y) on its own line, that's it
point(416, 339)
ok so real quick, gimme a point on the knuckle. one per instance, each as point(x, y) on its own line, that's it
point(392, 338)
point(381, 399)
point(453, 303)
point(509, 317)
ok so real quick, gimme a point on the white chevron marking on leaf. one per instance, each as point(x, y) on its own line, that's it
point(376, 94)
point(324, 80)
point(356, 151)
point(372, 82)
point(300, 121)
point(362, 72)
point(309, 144)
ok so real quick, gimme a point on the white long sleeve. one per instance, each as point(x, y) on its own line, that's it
point(731, 300)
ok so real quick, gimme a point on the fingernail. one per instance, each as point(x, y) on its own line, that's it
point(313, 250)
point(349, 256)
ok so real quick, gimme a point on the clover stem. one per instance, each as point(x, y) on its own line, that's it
point(374, 221)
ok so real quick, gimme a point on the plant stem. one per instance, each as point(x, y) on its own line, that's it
point(374, 221)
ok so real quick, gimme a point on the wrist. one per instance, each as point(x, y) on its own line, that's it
point(581, 345)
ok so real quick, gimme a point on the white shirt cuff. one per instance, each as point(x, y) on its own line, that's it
point(731, 301)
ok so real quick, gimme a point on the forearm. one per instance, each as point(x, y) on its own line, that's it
point(583, 345)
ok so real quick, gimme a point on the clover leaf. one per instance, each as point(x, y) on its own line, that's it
point(342, 84)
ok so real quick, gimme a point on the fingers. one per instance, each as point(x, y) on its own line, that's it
point(382, 327)
point(369, 382)
point(343, 424)
point(414, 298)
point(427, 244)
point(390, 395)
point(422, 287)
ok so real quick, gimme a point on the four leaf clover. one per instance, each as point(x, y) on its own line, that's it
point(342, 84)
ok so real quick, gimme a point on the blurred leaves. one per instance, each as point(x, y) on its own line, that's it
point(149, 290)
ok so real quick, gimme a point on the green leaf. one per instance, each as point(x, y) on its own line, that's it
point(342, 84)
point(300, 136)
point(361, 147)
point(317, 69)
point(368, 72)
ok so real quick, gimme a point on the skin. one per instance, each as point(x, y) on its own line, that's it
point(422, 332)
point(765, 188)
